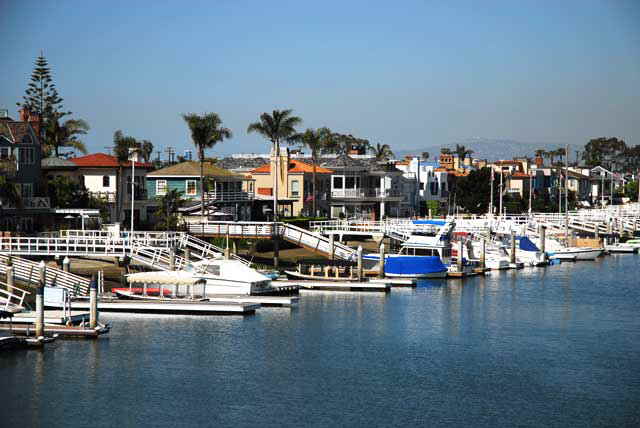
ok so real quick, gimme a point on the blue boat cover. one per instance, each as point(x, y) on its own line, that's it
point(434, 222)
point(413, 265)
point(526, 244)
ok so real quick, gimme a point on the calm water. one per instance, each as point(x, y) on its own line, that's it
point(541, 347)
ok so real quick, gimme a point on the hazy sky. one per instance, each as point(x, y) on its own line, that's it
point(405, 73)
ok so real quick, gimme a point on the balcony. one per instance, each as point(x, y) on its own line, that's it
point(365, 193)
point(109, 197)
point(33, 203)
point(220, 196)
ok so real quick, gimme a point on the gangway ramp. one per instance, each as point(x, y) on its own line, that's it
point(267, 230)
point(29, 272)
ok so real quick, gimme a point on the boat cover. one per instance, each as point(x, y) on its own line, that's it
point(413, 265)
point(433, 222)
point(525, 244)
point(167, 277)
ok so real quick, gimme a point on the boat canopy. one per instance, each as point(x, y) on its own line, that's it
point(433, 222)
point(168, 277)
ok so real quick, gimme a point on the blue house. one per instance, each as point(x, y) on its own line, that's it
point(223, 188)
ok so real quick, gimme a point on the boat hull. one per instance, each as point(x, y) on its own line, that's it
point(577, 254)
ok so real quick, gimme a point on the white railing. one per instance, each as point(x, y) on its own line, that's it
point(236, 229)
point(29, 271)
point(109, 197)
point(11, 300)
point(364, 193)
point(228, 196)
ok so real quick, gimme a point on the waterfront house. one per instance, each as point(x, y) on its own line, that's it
point(295, 186)
point(224, 191)
point(432, 181)
point(364, 188)
point(20, 154)
point(99, 174)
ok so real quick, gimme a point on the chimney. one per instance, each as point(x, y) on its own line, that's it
point(539, 161)
point(24, 114)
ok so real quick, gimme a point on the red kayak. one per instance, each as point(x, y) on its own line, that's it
point(138, 290)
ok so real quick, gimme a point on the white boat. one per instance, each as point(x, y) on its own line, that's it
point(209, 277)
point(633, 242)
point(496, 256)
point(617, 247)
point(556, 251)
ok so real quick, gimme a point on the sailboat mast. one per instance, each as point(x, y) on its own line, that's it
point(566, 195)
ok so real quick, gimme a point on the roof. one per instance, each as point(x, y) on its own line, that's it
point(507, 162)
point(345, 162)
point(15, 131)
point(102, 160)
point(192, 168)
point(295, 166)
point(57, 163)
point(520, 175)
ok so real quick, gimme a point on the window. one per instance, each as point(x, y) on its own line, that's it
point(5, 152)
point(26, 190)
point(295, 188)
point(105, 181)
point(25, 155)
point(337, 182)
point(161, 187)
point(250, 186)
point(190, 187)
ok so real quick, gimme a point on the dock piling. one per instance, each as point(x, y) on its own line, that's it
point(172, 259)
point(9, 277)
point(483, 263)
point(332, 246)
point(513, 248)
point(382, 260)
point(187, 255)
point(543, 243)
point(360, 267)
point(460, 253)
point(66, 264)
point(40, 300)
point(93, 302)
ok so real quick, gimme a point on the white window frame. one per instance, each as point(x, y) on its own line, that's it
point(161, 190)
point(186, 187)
point(295, 188)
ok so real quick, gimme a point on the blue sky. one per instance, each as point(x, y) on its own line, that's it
point(409, 74)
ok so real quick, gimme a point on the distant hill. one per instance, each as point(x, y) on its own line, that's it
point(491, 149)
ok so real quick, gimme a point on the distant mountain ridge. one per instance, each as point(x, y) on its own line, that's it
point(491, 149)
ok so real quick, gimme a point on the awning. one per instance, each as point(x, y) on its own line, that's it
point(177, 278)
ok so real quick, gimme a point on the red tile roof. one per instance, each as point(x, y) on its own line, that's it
point(102, 160)
point(295, 166)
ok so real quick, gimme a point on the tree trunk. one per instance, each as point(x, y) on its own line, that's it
point(275, 180)
point(201, 154)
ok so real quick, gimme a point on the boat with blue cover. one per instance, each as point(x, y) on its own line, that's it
point(425, 254)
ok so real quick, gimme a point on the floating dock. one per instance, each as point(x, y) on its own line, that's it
point(58, 330)
point(54, 316)
point(263, 300)
point(169, 306)
point(342, 285)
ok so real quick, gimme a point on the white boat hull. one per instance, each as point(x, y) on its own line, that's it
point(576, 254)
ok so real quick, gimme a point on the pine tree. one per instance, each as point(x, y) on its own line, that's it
point(41, 96)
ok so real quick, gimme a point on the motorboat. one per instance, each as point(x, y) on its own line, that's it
point(617, 247)
point(557, 251)
point(425, 254)
point(208, 278)
point(527, 252)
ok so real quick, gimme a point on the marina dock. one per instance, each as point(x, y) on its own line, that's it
point(343, 285)
point(108, 304)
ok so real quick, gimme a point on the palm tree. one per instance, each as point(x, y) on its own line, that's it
point(540, 153)
point(316, 141)
point(551, 154)
point(206, 132)
point(425, 155)
point(66, 135)
point(279, 126)
point(146, 148)
point(168, 206)
point(462, 152)
point(561, 153)
point(445, 151)
point(382, 152)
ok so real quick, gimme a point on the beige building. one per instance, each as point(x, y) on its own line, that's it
point(295, 185)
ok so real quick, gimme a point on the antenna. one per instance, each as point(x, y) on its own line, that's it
point(170, 151)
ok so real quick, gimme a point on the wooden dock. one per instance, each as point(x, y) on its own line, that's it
point(170, 306)
point(58, 330)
